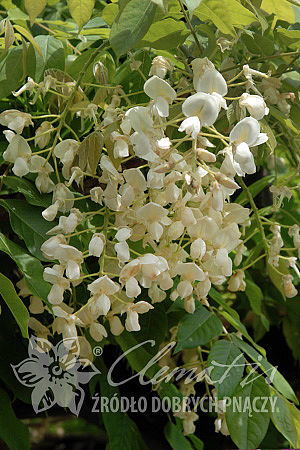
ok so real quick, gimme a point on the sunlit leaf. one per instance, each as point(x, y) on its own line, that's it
point(81, 11)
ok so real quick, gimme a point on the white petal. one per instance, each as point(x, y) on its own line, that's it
point(212, 81)
point(162, 106)
point(244, 158)
point(202, 105)
point(20, 167)
point(132, 288)
point(247, 130)
point(156, 87)
point(132, 321)
point(191, 125)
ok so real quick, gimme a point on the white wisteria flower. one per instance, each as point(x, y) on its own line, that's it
point(255, 105)
point(101, 290)
point(162, 94)
point(15, 120)
point(133, 310)
point(244, 135)
point(202, 110)
point(18, 152)
point(39, 165)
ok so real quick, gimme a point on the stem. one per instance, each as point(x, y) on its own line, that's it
point(189, 23)
point(255, 212)
point(253, 262)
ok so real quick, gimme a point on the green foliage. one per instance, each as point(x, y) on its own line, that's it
point(14, 433)
point(222, 355)
point(131, 24)
point(198, 328)
point(14, 303)
point(175, 438)
point(247, 430)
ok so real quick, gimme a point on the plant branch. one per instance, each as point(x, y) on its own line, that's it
point(189, 23)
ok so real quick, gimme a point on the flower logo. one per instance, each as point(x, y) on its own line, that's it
point(55, 374)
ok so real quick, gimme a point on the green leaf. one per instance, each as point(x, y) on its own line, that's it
point(278, 381)
point(258, 45)
point(25, 187)
point(109, 13)
point(225, 14)
point(276, 278)
point(197, 443)
point(255, 189)
point(265, 128)
point(131, 24)
point(15, 304)
point(296, 419)
point(165, 34)
point(28, 223)
point(282, 419)
point(175, 437)
point(81, 11)
point(11, 71)
point(282, 9)
point(140, 357)
point(255, 296)
point(225, 354)
point(286, 121)
point(89, 151)
point(34, 8)
point(291, 38)
point(192, 5)
point(53, 56)
point(198, 328)
point(215, 295)
point(28, 36)
point(237, 324)
point(248, 430)
point(30, 266)
point(291, 333)
point(13, 432)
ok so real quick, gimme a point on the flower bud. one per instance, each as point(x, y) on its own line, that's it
point(116, 326)
point(205, 155)
point(100, 73)
point(226, 182)
point(189, 304)
point(96, 194)
point(289, 289)
point(160, 66)
point(96, 245)
point(237, 281)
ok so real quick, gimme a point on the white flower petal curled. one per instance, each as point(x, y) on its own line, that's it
point(191, 126)
point(255, 105)
point(202, 105)
point(212, 81)
point(162, 94)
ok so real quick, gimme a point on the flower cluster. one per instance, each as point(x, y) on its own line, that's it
point(161, 221)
